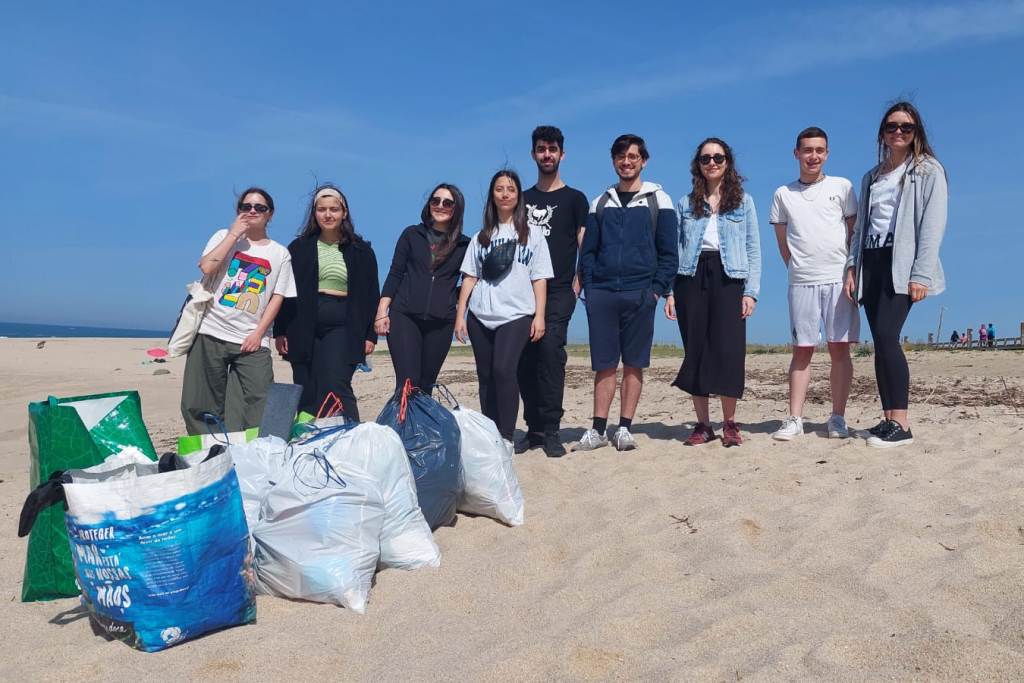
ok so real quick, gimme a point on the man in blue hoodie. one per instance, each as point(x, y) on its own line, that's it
point(628, 259)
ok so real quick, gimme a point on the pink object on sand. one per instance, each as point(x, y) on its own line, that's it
point(156, 352)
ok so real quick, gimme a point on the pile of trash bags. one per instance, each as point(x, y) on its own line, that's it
point(164, 550)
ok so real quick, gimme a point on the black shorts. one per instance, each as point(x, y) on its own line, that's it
point(621, 326)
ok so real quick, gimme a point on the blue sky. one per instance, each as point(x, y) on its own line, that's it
point(126, 127)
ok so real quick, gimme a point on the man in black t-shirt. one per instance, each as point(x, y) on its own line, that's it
point(559, 212)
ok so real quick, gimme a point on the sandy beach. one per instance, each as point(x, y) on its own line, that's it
point(817, 559)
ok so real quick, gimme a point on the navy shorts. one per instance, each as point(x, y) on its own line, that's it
point(621, 326)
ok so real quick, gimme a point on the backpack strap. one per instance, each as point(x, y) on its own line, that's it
point(599, 209)
point(652, 205)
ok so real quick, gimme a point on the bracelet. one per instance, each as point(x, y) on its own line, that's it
point(382, 317)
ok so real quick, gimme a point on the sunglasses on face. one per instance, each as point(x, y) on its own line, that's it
point(442, 203)
point(706, 159)
point(905, 128)
point(258, 208)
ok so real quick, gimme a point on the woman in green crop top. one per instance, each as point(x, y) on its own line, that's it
point(328, 330)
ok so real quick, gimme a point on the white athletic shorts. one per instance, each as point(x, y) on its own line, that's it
point(810, 306)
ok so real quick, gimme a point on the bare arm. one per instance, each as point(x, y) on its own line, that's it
point(212, 261)
point(540, 294)
point(850, 222)
point(780, 237)
point(254, 339)
point(468, 283)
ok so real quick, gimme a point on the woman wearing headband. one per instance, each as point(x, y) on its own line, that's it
point(250, 276)
point(328, 330)
point(417, 305)
point(894, 255)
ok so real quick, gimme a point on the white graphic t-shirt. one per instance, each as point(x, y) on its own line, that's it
point(251, 274)
point(885, 199)
point(815, 219)
point(510, 297)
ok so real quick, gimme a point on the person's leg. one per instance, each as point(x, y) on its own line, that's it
point(332, 369)
point(482, 342)
point(405, 344)
point(204, 383)
point(804, 322)
point(604, 392)
point(255, 373)
point(799, 378)
point(636, 336)
point(840, 376)
point(437, 342)
point(302, 374)
point(700, 407)
point(603, 332)
point(551, 375)
point(891, 316)
point(509, 340)
point(529, 384)
point(629, 393)
point(728, 409)
point(872, 292)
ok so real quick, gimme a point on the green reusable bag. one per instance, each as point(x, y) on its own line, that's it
point(72, 433)
point(204, 442)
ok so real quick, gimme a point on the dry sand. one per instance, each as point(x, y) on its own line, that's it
point(817, 559)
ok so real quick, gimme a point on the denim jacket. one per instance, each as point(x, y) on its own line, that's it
point(740, 240)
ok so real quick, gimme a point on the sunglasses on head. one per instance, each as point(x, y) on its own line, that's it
point(706, 159)
point(442, 202)
point(905, 128)
point(258, 208)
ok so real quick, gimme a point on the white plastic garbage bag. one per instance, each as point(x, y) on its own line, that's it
point(490, 486)
point(375, 454)
point(258, 464)
point(318, 537)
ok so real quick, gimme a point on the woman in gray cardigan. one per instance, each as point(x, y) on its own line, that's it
point(894, 255)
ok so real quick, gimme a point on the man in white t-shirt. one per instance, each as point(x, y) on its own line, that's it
point(813, 219)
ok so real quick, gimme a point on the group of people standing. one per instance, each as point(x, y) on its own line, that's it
point(512, 289)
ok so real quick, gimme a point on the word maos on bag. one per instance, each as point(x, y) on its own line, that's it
point(161, 557)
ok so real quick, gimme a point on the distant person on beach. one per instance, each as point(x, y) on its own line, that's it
point(504, 288)
point(251, 277)
point(716, 287)
point(559, 212)
point(813, 218)
point(627, 261)
point(982, 336)
point(417, 306)
point(954, 338)
point(991, 336)
point(894, 255)
point(328, 329)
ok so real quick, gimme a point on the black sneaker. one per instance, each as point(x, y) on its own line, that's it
point(529, 442)
point(894, 435)
point(879, 428)
point(553, 447)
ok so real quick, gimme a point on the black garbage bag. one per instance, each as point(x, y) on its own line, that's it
point(432, 441)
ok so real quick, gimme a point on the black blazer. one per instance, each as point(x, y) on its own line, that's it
point(414, 288)
point(297, 319)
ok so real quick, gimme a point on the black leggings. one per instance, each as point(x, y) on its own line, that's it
point(327, 369)
point(418, 348)
point(497, 355)
point(886, 312)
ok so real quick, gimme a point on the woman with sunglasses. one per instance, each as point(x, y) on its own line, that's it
point(328, 330)
point(250, 276)
point(417, 305)
point(716, 287)
point(894, 255)
point(504, 286)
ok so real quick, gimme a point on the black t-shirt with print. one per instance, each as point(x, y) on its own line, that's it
point(559, 215)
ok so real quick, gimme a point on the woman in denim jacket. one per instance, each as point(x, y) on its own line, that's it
point(894, 255)
point(716, 288)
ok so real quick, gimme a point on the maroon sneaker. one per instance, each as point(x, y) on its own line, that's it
point(731, 434)
point(702, 434)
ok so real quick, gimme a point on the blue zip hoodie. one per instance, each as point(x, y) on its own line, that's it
point(625, 252)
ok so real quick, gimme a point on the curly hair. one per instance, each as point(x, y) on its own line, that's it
point(732, 183)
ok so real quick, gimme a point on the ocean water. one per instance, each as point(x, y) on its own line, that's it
point(43, 331)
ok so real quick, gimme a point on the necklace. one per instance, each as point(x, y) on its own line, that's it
point(806, 186)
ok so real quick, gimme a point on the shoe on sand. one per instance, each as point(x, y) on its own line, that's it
point(791, 428)
point(590, 440)
point(837, 428)
point(623, 440)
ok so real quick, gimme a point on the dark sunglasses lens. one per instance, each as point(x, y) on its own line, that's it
point(706, 159)
point(905, 128)
point(445, 203)
point(258, 208)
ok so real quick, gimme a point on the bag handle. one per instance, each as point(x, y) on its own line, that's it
point(446, 394)
point(43, 496)
point(336, 407)
point(403, 405)
point(321, 465)
point(212, 421)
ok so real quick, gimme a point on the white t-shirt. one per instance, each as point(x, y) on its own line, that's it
point(511, 297)
point(815, 219)
point(710, 241)
point(885, 199)
point(252, 273)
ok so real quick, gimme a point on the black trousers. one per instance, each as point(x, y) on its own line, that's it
point(886, 312)
point(327, 369)
point(497, 355)
point(542, 366)
point(418, 348)
point(709, 307)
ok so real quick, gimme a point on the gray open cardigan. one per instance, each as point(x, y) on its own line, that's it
point(920, 223)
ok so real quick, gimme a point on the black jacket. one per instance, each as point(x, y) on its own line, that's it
point(414, 288)
point(297, 319)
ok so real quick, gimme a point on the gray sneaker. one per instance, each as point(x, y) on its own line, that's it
point(837, 428)
point(590, 440)
point(623, 440)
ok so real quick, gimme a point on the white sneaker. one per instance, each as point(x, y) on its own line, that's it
point(837, 428)
point(590, 440)
point(623, 440)
point(791, 428)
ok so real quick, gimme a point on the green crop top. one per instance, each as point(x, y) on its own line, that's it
point(333, 273)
